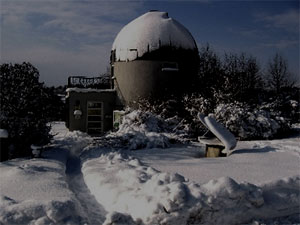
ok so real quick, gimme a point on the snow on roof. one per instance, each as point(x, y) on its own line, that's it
point(86, 90)
point(149, 32)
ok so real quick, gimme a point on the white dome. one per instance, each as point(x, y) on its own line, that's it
point(149, 32)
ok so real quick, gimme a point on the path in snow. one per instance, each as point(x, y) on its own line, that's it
point(74, 142)
point(94, 211)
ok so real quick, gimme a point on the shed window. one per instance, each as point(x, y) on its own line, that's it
point(94, 105)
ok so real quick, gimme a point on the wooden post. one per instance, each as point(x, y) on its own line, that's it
point(212, 151)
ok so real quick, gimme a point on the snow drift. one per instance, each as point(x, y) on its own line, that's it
point(127, 187)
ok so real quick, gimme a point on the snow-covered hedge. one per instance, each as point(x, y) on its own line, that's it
point(248, 123)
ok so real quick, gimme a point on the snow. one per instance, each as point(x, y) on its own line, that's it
point(139, 130)
point(225, 136)
point(3, 133)
point(79, 182)
point(169, 69)
point(220, 132)
point(87, 90)
point(256, 162)
point(149, 32)
point(36, 191)
point(251, 123)
point(130, 187)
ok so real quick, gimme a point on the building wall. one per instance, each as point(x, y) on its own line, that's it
point(144, 79)
point(108, 102)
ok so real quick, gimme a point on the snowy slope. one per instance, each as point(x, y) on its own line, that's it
point(150, 31)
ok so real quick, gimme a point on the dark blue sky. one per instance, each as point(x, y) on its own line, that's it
point(63, 38)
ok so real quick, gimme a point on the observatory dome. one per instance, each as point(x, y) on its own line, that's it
point(149, 32)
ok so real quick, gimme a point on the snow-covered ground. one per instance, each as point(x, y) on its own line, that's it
point(39, 191)
point(255, 162)
point(78, 182)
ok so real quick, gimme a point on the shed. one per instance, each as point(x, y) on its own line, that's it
point(90, 110)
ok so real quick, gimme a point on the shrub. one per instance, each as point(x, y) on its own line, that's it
point(143, 129)
point(180, 113)
point(23, 108)
point(264, 121)
point(251, 123)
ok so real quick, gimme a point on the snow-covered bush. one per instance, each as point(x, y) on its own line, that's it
point(23, 108)
point(181, 112)
point(162, 122)
point(165, 107)
point(262, 121)
point(174, 111)
point(251, 123)
point(196, 103)
point(283, 107)
point(140, 129)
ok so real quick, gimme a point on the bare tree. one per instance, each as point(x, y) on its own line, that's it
point(278, 75)
point(210, 72)
point(242, 78)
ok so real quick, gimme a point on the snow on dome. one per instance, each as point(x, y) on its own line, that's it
point(149, 32)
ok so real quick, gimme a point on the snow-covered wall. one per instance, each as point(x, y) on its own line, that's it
point(149, 32)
